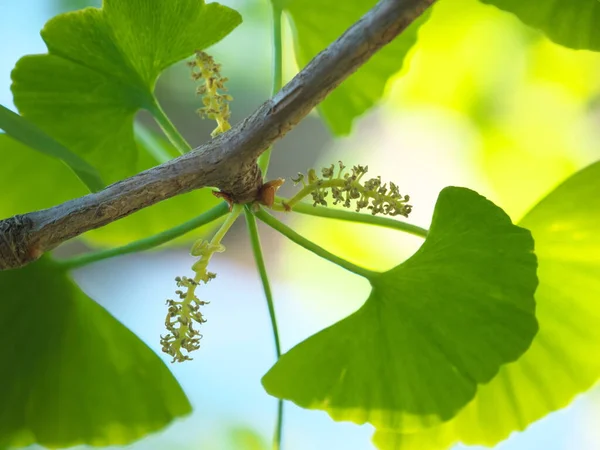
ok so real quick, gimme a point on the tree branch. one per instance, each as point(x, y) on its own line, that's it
point(227, 162)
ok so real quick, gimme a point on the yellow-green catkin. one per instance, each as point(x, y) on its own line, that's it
point(351, 190)
point(214, 99)
point(185, 312)
point(184, 316)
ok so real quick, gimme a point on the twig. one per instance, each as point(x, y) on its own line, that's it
point(227, 162)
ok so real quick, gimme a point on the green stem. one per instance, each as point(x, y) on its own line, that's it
point(149, 242)
point(277, 49)
point(350, 216)
point(153, 145)
point(229, 221)
point(263, 160)
point(169, 129)
point(262, 270)
point(263, 164)
point(311, 246)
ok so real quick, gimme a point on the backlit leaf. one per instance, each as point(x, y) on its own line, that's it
point(432, 329)
point(101, 68)
point(316, 24)
point(71, 373)
point(573, 23)
point(562, 361)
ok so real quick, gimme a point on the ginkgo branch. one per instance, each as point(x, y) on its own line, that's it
point(228, 161)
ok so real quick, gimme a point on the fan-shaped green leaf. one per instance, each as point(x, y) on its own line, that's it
point(561, 362)
point(573, 23)
point(316, 24)
point(71, 373)
point(432, 329)
point(101, 68)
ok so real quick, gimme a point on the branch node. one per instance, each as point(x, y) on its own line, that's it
point(16, 248)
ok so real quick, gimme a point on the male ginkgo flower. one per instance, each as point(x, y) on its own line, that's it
point(351, 190)
point(216, 102)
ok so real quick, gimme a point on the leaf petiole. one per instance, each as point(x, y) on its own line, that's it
point(146, 243)
point(153, 145)
point(311, 246)
point(169, 129)
point(350, 216)
point(264, 159)
point(262, 270)
point(263, 164)
point(30, 135)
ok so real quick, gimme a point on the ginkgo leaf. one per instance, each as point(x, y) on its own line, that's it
point(316, 24)
point(101, 68)
point(432, 329)
point(573, 23)
point(561, 362)
point(71, 373)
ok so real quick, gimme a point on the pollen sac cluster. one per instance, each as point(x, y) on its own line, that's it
point(216, 102)
point(183, 315)
point(351, 190)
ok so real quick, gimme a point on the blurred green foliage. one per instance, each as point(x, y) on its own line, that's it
point(67, 353)
point(522, 111)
